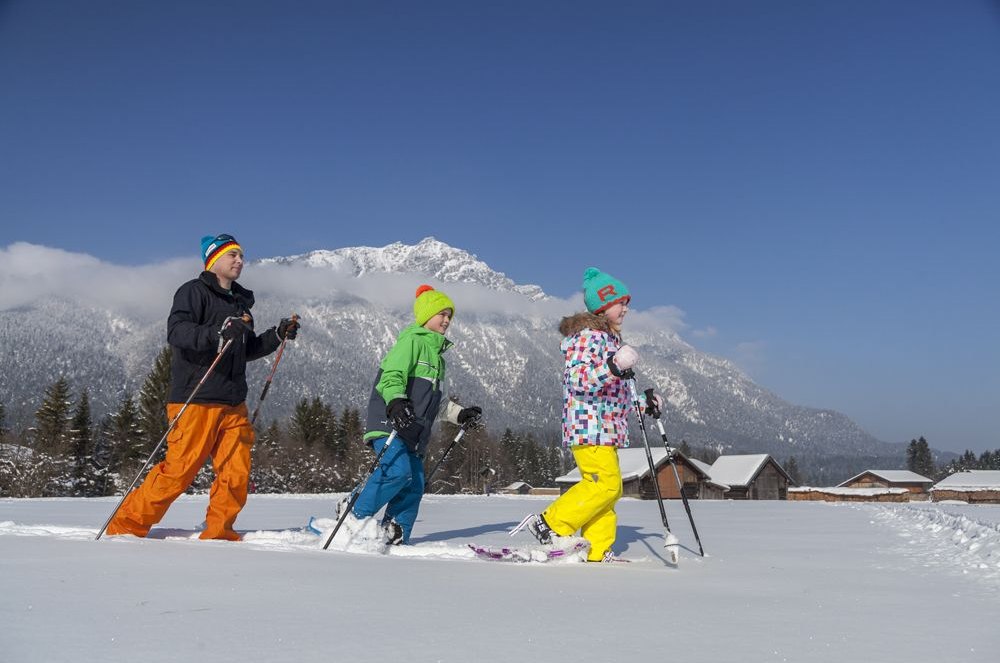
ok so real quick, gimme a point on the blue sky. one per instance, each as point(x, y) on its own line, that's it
point(815, 185)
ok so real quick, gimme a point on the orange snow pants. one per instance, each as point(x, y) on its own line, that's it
point(220, 431)
point(589, 506)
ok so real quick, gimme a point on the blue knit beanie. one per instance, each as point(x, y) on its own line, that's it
point(601, 290)
point(213, 246)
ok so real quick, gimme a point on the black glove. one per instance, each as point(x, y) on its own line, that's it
point(288, 328)
point(232, 327)
point(470, 415)
point(627, 374)
point(401, 415)
point(652, 406)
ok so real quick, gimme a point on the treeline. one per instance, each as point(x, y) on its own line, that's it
point(919, 459)
point(317, 449)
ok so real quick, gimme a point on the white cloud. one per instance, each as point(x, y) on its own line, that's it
point(29, 272)
point(707, 332)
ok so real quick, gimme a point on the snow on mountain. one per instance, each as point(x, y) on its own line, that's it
point(429, 257)
point(353, 302)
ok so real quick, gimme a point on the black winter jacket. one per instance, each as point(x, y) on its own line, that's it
point(200, 307)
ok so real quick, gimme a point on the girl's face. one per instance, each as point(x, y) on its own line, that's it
point(440, 322)
point(616, 313)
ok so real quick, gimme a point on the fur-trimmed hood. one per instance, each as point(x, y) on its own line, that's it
point(574, 324)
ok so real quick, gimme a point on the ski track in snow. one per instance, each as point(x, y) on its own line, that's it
point(933, 537)
point(289, 540)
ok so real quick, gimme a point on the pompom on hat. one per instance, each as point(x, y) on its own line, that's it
point(601, 290)
point(430, 302)
point(213, 246)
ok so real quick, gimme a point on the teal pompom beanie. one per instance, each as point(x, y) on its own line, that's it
point(601, 290)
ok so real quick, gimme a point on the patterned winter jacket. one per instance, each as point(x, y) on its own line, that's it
point(595, 402)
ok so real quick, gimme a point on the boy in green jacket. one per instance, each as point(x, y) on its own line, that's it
point(406, 397)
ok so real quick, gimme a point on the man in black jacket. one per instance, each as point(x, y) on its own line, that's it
point(207, 312)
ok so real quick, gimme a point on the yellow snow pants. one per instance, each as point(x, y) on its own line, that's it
point(220, 431)
point(589, 506)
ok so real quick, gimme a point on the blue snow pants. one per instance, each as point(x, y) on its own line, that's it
point(398, 482)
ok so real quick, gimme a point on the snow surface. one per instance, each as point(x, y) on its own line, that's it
point(783, 581)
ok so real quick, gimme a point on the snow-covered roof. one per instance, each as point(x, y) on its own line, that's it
point(849, 491)
point(737, 470)
point(970, 480)
point(707, 469)
point(516, 485)
point(702, 465)
point(633, 464)
point(892, 476)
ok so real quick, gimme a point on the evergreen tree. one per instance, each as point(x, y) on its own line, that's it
point(310, 422)
point(82, 448)
point(924, 459)
point(153, 400)
point(52, 419)
point(792, 467)
point(3, 423)
point(911, 455)
point(125, 442)
point(685, 448)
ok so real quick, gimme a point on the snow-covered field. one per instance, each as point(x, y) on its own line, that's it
point(782, 581)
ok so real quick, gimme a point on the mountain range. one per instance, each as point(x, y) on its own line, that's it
point(353, 301)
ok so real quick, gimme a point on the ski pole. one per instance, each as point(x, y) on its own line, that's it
point(670, 542)
point(267, 383)
point(163, 439)
point(357, 490)
point(680, 487)
point(461, 432)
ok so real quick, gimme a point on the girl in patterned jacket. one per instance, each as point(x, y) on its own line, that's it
point(597, 397)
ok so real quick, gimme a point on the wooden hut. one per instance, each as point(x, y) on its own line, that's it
point(636, 481)
point(972, 486)
point(751, 477)
point(516, 488)
point(911, 481)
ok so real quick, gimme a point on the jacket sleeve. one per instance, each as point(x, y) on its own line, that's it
point(263, 345)
point(396, 369)
point(185, 326)
point(587, 363)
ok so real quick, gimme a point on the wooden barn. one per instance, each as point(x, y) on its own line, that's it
point(751, 477)
point(972, 486)
point(636, 481)
point(911, 481)
point(516, 488)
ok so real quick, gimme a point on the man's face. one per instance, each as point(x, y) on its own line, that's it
point(229, 264)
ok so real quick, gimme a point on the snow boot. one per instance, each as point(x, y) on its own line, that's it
point(393, 532)
point(539, 529)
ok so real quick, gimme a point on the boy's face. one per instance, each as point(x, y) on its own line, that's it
point(440, 322)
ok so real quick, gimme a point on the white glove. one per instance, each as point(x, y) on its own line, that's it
point(626, 357)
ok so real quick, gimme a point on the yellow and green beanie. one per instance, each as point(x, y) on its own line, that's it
point(212, 247)
point(601, 290)
point(430, 302)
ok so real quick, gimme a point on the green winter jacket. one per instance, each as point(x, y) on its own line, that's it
point(413, 368)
